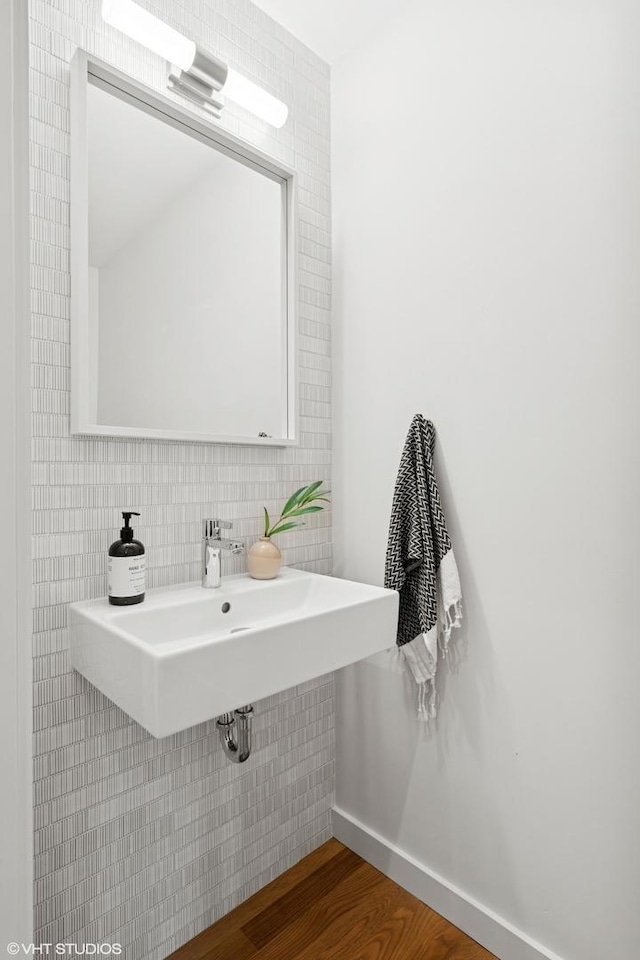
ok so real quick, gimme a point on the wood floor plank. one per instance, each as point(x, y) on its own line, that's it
point(332, 918)
point(259, 901)
point(343, 924)
point(424, 935)
point(332, 906)
point(390, 938)
point(211, 944)
point(429, 936)
point(266, 925)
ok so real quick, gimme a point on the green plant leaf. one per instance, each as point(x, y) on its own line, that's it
point(298, 504)
point(310, 492)
point(291, 502)
point(285, 526)
point(316, 499)
point(301, 510)
point(320, 495)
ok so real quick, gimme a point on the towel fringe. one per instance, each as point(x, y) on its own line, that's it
point(427, 694)
point(451, 619)
point(426, 700)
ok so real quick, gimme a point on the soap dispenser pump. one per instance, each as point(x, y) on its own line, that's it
point(126, 566)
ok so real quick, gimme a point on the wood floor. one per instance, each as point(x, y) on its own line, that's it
point(332, 906)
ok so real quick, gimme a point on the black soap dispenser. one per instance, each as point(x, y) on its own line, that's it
point(126, 567)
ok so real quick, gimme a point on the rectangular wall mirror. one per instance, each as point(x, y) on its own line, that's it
point(182, 272)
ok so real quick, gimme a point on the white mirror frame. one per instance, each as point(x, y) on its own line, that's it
point(83, 66)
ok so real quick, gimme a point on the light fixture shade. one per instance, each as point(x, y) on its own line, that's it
point(253, 98)
point(151, 32)
point(194, 73)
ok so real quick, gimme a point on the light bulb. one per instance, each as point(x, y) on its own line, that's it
point(255, 99)
point(152, 33)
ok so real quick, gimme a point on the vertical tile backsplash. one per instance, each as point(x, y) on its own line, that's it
point(138, 841)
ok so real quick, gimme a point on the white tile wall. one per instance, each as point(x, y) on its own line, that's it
point(139, 841)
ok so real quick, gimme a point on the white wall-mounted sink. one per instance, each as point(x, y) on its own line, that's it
point(186, 654)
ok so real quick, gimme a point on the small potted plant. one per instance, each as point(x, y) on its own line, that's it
point(263, 558)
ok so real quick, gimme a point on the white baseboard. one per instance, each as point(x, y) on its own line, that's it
point(487, 928)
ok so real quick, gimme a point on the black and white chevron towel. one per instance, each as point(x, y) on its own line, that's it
point(420, 564)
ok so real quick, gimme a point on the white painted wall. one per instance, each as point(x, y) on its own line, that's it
point(333, 28)
point(486, 219)
point(15, 651)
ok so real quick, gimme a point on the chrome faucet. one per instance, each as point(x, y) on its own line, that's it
point(212, 547)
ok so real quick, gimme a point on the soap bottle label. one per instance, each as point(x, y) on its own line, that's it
point(126, 575)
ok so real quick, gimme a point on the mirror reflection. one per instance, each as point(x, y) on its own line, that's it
point(186, 280)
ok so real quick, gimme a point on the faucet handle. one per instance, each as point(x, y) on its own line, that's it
point(212, 527)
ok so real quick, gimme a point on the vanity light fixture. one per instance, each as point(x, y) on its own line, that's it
point(194, 73)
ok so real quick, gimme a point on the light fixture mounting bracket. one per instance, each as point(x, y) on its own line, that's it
point(202, 82)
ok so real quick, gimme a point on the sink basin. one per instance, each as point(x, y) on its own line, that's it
point(186, 654)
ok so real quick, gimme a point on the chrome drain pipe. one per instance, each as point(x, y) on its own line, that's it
point(234, 730)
